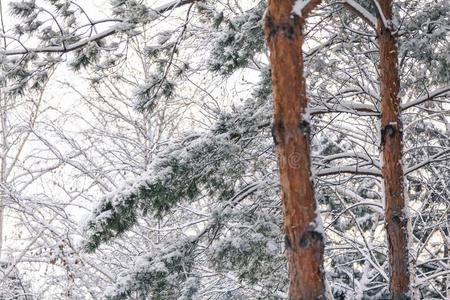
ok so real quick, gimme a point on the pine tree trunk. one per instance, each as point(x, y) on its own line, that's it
point(304, 239)
point(391, 143)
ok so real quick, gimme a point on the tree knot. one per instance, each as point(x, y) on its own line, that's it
point(310, 237)
point(286, 28)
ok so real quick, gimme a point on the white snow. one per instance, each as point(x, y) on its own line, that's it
point(299, 5)
point(367, 15)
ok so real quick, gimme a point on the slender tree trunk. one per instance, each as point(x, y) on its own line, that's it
point(3, 149)
point(304, 238)
point(396, 218)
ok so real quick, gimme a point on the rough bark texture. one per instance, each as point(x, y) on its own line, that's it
point(304, 242)
point(391, 143)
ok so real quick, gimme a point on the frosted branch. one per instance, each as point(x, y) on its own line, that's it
point(361, 11)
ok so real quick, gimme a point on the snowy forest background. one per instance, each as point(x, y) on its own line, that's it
point(137, 159)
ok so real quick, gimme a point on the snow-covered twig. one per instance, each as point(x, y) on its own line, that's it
point(361, 11)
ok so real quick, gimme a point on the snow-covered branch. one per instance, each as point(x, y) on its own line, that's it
point(363, 13)
point(347, 169)
point(381, 14)
point(429, 96)
point(303, 8)
point(65, 48)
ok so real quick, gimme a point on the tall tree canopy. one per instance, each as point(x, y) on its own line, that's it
point(163, 149)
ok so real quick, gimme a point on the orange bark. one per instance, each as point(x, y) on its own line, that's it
point(304, 242)
point(391, 143)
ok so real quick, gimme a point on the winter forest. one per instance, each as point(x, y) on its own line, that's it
point(224, 149)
